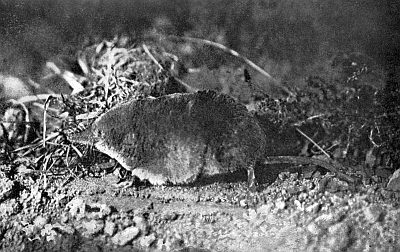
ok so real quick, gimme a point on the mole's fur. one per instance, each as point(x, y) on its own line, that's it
point(179, 137)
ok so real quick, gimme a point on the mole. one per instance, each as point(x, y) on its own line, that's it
point(182, 137)
point(178, 138)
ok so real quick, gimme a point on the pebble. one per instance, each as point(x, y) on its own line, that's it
point(48, 232)
point(373, 213)
point(64, 217)
point(160, 244)
point(280, 204)
point(243, 203)
point(68, 229)
point(170, 216)
point(148, 240)
point(125, 236)
point(97, 211)
point(252, 214)
point(298, 205)
point(314, 208)
point(338, 236)
point(92, 227)
point(325, 220)
point(40, 221)
point(303, 196)
point(313, 228)
point(109, 228)
point(141, 223)
point(76, 208)
point(79, 209)
point(265, 209)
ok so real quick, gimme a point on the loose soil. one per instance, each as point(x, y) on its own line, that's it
point(296, 212)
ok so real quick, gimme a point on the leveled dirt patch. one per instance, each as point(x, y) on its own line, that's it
point(292, 214)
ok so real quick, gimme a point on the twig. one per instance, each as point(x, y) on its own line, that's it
point(87, 116)
point(31, 98)
point(308, 119)
point(188, 88)
point(232, 52)
point(78, 152)
point(107, 75)
point(235, 54)
point(312, 141)
point(151, 56)
point(46, 104)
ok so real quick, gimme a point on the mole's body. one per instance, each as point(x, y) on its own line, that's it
point(179, 137)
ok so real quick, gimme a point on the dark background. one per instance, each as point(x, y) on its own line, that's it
point(288, 38)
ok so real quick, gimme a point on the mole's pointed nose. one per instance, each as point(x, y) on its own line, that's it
point(84, 137)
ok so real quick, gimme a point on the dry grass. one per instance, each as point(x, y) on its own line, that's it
point(114, 71)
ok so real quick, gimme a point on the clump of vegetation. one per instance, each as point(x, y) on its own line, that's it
point(345, 115)
point(113, 72)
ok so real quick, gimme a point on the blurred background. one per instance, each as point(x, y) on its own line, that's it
point(290, 39)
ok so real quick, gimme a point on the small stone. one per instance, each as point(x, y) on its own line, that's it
point(373, 213)
point(64, 229)
point(325, 220)
point(252, 214)
point(40, 221)
point(92, 227)
point(77, 208)
point(141, 223)
point(314, 208)
point(97, 210)
point(338, 236)
point(303, 196)
point(48, 232)
point(264, 209)
point(243, 203)
point(298, 205)
point(109, 228)
point(168, 216)
point(280, 204)
point(125, 236)
point(313, 228)
point(64, 217)
point(147, 241)
point(160, 244)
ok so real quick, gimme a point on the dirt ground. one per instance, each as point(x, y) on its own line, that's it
point(296, 212)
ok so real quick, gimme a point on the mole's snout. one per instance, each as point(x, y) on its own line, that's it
point(84, 137)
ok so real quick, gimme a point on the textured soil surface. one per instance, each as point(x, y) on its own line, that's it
point(294, 213)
